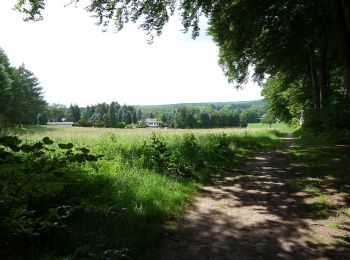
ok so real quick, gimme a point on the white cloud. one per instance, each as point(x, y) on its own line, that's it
point(77, 63)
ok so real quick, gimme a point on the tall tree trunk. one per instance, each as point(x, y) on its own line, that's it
point(346, 8)
point(315, 85)
point(323, 82)
point(341, 12)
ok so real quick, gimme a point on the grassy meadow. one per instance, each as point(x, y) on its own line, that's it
point(113, 207)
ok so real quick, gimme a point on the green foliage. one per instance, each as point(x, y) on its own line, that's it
point(56, 112)
point(286, 101)
point(222, 147)
point(206, 115)
point(111, 118)
point(83, 122)
point(161, 157)
point(29, 173)
point(120, 125)
point(158, 154)
point(243, 121)
point(187, 156)
point(74, 113)
point(268, 119)
point(336, 116)
point(109, 115)
point(99, 123)
point(280, 127)
point(159, 109)
point(20, 95)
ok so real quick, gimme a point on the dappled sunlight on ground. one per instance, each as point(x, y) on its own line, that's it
point(258, 212)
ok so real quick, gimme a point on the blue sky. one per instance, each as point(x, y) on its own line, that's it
point(77, 63)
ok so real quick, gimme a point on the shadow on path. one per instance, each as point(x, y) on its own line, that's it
point(252, 213)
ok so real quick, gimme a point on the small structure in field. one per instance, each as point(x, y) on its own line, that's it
point(149, 122)
point(60, 123)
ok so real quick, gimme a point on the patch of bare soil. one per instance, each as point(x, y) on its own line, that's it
point(256, 212)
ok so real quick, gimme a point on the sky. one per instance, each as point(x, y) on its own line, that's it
point(78, 63)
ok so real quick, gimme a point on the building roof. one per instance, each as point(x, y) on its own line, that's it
point(151, 120)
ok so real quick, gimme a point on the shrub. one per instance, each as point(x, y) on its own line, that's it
point(99, 123)
point(30, 177)
point(120, 125)
point(83, 122)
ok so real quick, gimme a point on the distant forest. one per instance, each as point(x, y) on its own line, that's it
point(207, 115)
point(197, 115)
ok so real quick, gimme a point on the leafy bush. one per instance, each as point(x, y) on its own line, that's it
point(83, 123)
point(99, 123)
point(29, 175)
point(182, 158)
point(222, 147)
point(120, 125)
point(157, 153)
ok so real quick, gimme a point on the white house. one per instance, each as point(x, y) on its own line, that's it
point(60, 123)
point(150, 122)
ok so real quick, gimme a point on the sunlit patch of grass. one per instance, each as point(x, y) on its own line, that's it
point(341, 240)
point(282, 127)
point(311, 188)
point(334, 226)
point(323, 200)
point(308, 184)
point(345, 210)
point(321, 240)
point(222, 206)
point(316, 207)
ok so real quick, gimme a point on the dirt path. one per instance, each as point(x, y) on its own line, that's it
point(252, 213)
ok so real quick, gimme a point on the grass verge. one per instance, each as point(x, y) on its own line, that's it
point(323, 159)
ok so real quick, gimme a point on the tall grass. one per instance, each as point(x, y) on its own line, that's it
point(115, 207)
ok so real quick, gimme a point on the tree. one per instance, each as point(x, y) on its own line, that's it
point(75, 112)
point(268, 119)
point(286, 101)
point(5, 93)
point(139, 114)
point(21, 99)
point(56, 112)
point(204, 119)
point(111, 119)
point(181, 118)
point(90, 110)
point(243, 120)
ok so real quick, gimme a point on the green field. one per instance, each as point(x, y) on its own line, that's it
point(277, 126)
point(115, 206)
